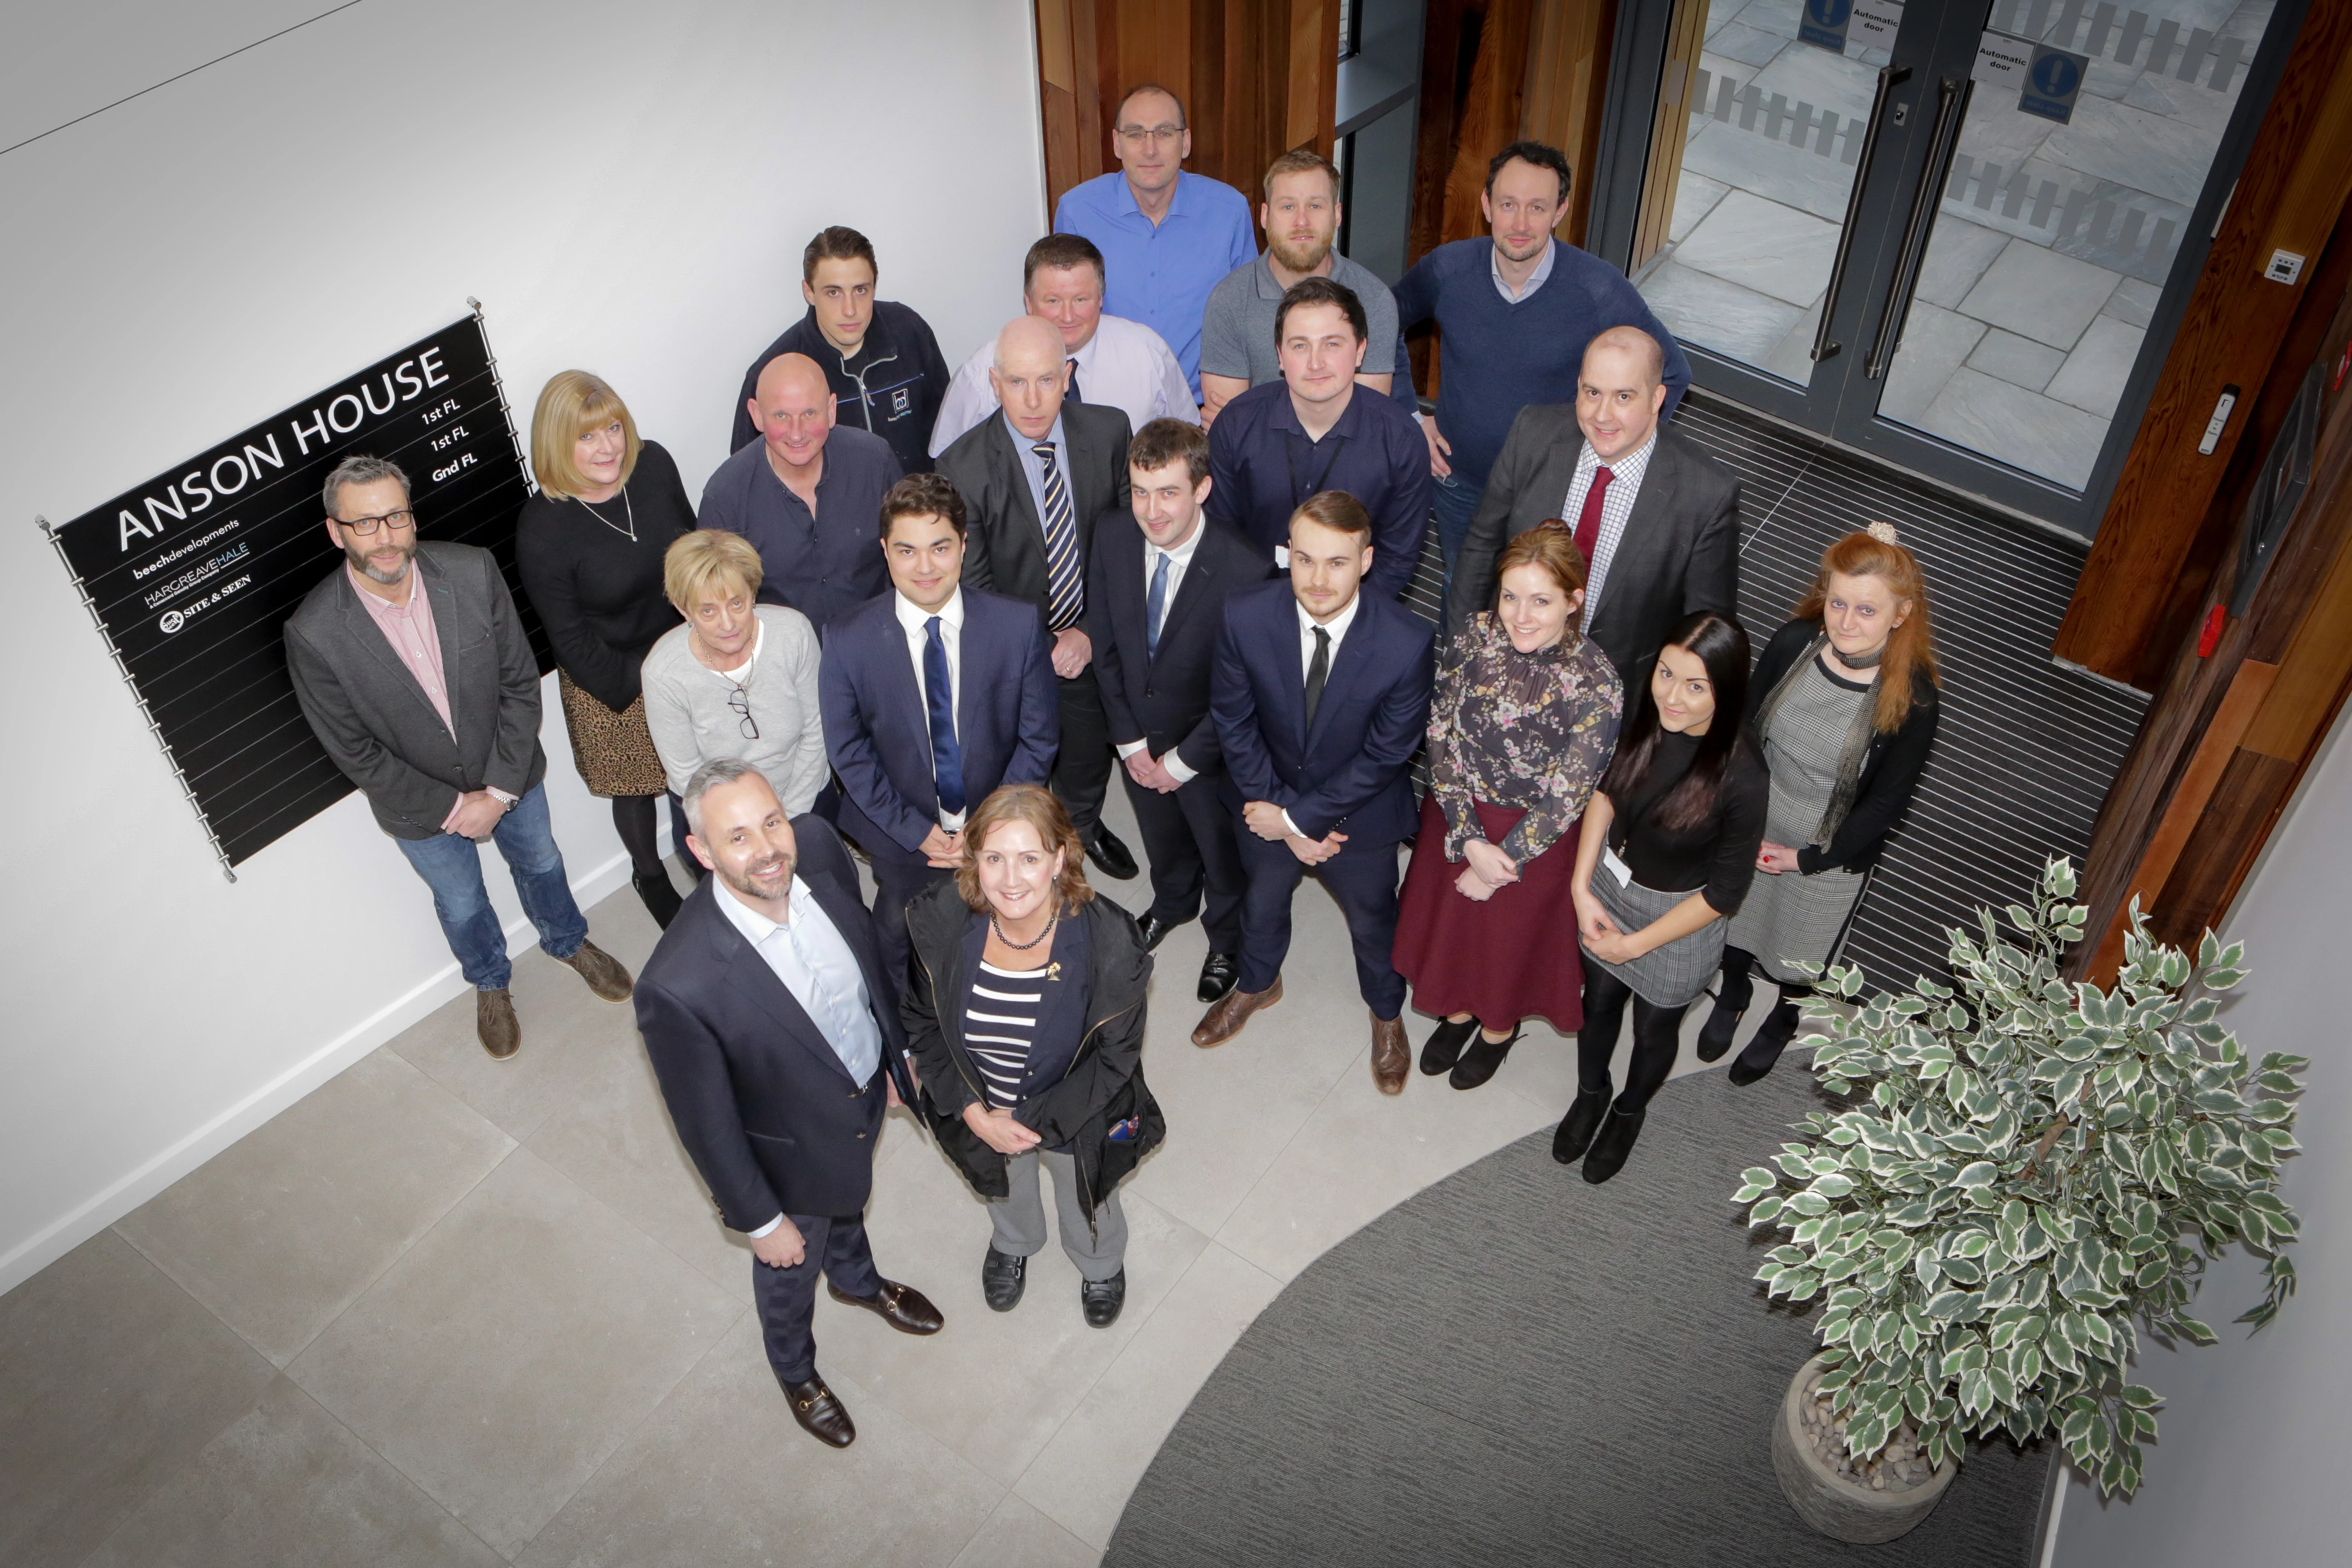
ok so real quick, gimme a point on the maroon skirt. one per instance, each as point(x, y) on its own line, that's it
point(1511, 957)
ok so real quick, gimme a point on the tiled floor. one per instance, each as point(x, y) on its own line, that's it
point(447, 1310)
point(2051, 244)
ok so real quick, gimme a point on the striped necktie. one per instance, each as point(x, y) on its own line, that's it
point(1065, 593)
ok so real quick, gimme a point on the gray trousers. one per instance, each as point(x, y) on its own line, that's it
point(1099, 1251)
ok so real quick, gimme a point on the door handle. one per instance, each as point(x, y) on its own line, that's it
point(1951, 109)
point(1889, 79)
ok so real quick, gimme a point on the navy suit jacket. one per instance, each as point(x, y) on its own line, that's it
point(771, 1117)
point(1008, 716)
point(1351, 770)
point(1163, 700)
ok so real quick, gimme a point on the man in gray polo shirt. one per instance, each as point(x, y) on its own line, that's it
point(1301, 216)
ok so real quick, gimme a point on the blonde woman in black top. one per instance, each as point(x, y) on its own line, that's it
point(1667, 853)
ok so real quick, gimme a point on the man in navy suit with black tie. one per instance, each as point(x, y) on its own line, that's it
point(1156, 590)
point(1321, 695)
point(932, 695)
point(776, 1038)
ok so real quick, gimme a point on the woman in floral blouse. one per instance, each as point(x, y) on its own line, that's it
point(1524, 724)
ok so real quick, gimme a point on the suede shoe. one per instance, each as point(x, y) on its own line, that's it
point(1002, 1278)
point(1392, 1055)
point(1479, 1062)
point(820, 1412)
point(1100, 1299)
point(1715, 1034)
point(1220, 972)
point(495, 1023)
point(601, 971)
point(1764, 1047)
point(1443, 1046)
point(1611, 1145)
point(1574, 1134)
point(902, 1307)
point(1223, 1021)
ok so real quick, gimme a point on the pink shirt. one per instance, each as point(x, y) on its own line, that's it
point(409, 629)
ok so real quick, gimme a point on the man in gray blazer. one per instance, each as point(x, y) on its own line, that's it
point(1033, 479)
point(1656, 519)
point(415, 675)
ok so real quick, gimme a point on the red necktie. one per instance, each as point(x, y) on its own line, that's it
point(1587, 522)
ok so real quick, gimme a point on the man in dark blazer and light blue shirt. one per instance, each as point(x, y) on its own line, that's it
point(932, 695)
point(776, 1038)
point(1656, 519)
point(1320, 695)
point(1156, 590)
point(413, 671)
point(1034, 477)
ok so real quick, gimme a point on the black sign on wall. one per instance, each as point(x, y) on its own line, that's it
point(191, 576)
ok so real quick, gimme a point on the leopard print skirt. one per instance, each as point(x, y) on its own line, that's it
point(614, 751)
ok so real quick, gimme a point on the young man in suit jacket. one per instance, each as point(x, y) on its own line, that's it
point(775, 1036)
point(932, 695)
point(1155, 587)
point(1034, 479)
point(1657, 519)
point(1320, 695)
point(415, 673)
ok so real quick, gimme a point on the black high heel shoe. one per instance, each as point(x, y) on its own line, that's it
point(1612, 1145)
point(1715, 1034)
point(1443, 1046)
point(660, 899)
point(1574, 1134)
point(1480, 1061)
point(1764, 1049)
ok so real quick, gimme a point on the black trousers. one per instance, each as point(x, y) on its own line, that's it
point(897, 883)
point(1082, 765)
point(1196, 866)
point(1361, 877)
point(837, 1248)
point(1658, 1038)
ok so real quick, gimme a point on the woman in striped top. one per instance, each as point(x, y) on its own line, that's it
point(1026, 1017)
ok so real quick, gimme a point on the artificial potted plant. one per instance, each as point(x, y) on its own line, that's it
point(2018, 1173)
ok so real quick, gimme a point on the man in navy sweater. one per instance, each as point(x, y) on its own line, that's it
point(1513, 314)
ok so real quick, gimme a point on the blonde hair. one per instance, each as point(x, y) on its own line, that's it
point(1551, 546)
point(702, 556)
point(1041, 809)
point(1910, 648)
point(570, 405)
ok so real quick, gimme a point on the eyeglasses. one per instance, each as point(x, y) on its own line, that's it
point(366, 527)
point(1139, 135)
point(742, 702)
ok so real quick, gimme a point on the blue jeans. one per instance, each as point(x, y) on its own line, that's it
point(452, 867)
point(1455, 499)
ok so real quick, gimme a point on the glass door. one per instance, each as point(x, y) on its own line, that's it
point(1956, 233)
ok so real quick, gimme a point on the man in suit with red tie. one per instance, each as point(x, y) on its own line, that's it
point(1320, 695)
point(1156, 588)
point(1656, 519)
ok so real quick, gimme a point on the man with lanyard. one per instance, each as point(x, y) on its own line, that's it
point(1275, 445)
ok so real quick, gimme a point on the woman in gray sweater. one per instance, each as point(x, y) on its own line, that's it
point(739, 679)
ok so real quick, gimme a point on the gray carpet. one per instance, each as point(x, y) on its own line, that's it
point(1515, 1367)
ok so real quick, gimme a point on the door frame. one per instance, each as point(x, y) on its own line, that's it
point(1845, 410)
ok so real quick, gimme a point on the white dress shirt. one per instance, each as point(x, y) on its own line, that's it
point(1177, 558)
point(1124, 365)
point(808, 953)
point(1336, 628)
point(1616, 506)
point(1535, 279)
point(917, 622)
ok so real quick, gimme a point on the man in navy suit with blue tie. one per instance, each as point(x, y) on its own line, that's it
point(1321, 695)
point(932, 695)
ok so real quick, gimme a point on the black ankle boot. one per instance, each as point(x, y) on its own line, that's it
point(1443, 1046)
point(660, 898)
point(1479, 1062)
point(1611, 1145)
point(1765, 1049)
point(1715, 1034)
point(1574, 1134)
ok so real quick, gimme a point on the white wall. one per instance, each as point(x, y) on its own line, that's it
point(626, 187)
point(2249, 1467)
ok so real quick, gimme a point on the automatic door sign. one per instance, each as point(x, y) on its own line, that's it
point(2053, 82)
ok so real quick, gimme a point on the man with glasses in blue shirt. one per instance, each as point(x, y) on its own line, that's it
point(1167, 237)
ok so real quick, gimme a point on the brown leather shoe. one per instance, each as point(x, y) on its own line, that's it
point(1223, 1021)
point(1392, 1054)
point(902, 1307)
point(495, 1023)
point(820, 1412)
point(601, 971)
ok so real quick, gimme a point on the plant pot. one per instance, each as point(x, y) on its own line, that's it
point(1840, 1508)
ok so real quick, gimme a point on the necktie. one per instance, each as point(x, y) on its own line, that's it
point(1587, 522)
point(1318, 670)
point(1155, 607)
point(1064, 592)
point(1071, 395)
point(939, 695)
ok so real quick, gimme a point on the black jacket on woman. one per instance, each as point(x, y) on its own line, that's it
point(1890, 767)
point(1080, 1082)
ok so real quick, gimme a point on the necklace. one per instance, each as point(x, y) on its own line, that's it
point(1023, 946)
point(631, 532)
